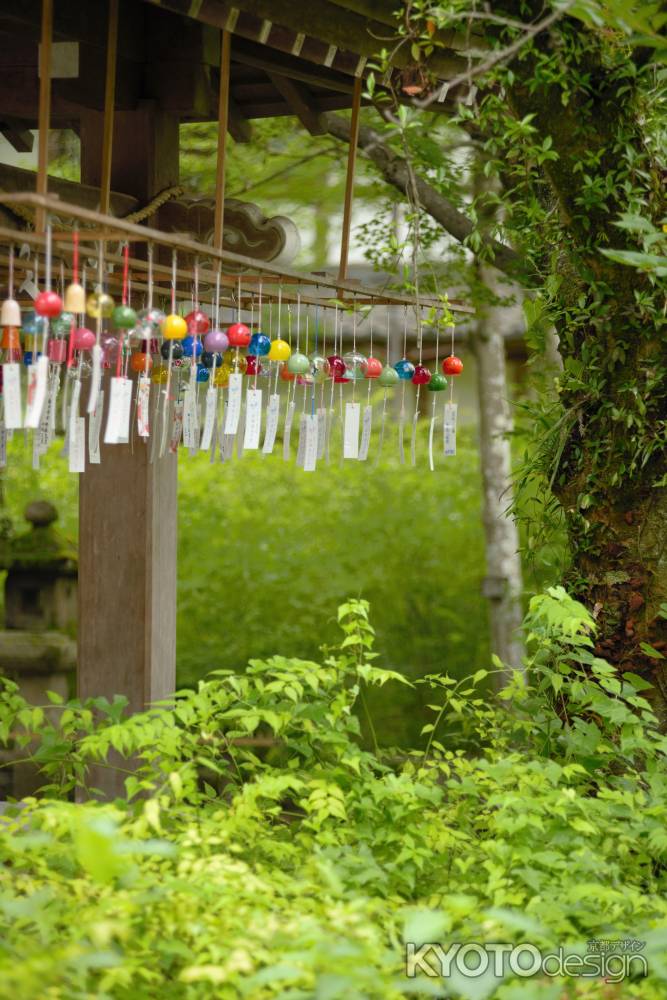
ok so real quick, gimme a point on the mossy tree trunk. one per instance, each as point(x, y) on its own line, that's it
point(609, 460)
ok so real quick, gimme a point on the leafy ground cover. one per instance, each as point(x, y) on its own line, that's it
point(260, 851)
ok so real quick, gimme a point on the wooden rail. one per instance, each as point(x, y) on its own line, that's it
point(269, 274)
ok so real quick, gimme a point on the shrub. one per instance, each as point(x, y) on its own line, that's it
point(262, 852)
point(266, 551)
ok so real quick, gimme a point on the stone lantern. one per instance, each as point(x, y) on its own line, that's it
point(38, 645)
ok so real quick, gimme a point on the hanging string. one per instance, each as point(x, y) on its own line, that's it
point(98, 320)
point(298, 321)
point(216, 314)
point(258, 360)
point(324, 354)
point(125, 340)
point(195, 304)
point(11, 270)
point(170, 359)
point(435, 395)
point(238, 320)
point(126, 271)
point(305, 385)
point(280, 301)
point(405, 331)
point(354, 347)
point(403, 381)
point(384, 398)
point(149, 255)
point(335, 354)
point(75, 255)
point(340, 384)
point(314, 369)
point(47, 264)
point(290, 395)
point(418, 394)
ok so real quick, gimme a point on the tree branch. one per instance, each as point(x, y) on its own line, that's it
point(396, 172)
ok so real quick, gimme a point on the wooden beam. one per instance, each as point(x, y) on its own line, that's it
point(349, 181)
point(380, 10)
point(202, 250)
point(44, 107)
point(223, 118)
point(272, 61)
point(238, 125)
point(16, 179)
point(299, 101)
point(351, 33)
point(20, 139)
point(109, 106)
point(162, 280)
point(83, 22)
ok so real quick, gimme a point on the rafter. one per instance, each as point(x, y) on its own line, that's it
point(19, 138)
point(300, 102)
point(350, 34)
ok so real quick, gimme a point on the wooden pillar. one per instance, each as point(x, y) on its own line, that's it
point(349, 179)
point(44, 108)
point(223, 119)
point(128, 506)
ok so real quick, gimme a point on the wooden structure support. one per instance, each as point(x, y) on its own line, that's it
point(268, 273)
point(298, 101)
point(349, 181)
point(128, 511)
point(44, 119)
point(223, 113)
point(109, 106)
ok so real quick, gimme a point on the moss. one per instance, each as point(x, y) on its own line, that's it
point(41, 546)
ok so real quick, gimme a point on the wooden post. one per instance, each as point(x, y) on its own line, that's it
point(109, 106)
point(128, 505)
point(223, 120)
point(349, 180)
point(44, 120)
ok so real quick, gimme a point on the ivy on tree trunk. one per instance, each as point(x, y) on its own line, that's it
point(574, 135)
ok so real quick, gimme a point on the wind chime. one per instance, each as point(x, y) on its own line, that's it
point(158, 379)
point(172, 381)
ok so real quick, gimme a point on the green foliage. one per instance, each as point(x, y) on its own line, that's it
point(296, 871)
point(265, 552)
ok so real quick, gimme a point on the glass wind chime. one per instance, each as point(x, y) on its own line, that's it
point(189, 382)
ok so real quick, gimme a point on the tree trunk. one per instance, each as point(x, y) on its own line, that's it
point(503, 586)
point(609, 462)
